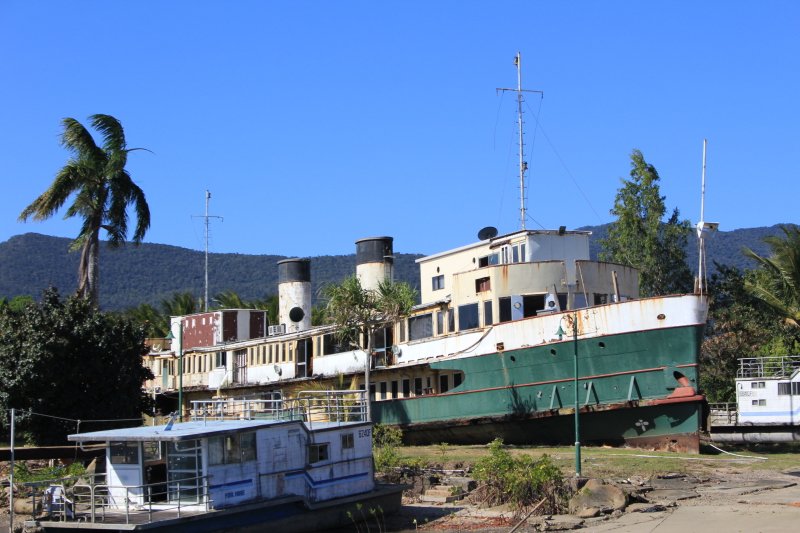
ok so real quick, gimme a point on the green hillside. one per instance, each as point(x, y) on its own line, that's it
point(150, 273)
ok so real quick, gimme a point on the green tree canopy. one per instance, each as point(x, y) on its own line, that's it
point(640, 238)
point(102, 191)
point(777, 283)
point(358, 312)
point(62, 361)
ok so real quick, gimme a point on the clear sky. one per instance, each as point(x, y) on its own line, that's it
point(314, 124)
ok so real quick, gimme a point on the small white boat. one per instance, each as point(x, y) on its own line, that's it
point(303, 465)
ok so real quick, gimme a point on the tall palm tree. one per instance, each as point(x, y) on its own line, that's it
point(777, 283)
point(102, 191)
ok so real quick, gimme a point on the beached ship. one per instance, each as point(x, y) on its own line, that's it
point(299, 465)
point(512, 335)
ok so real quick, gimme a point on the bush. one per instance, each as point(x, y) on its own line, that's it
point(520, 481)
point(385, 441)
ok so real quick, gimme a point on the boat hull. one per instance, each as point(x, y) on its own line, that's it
point(636, 388)
point(283, 516)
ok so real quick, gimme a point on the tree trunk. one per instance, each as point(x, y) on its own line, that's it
point(88, 269)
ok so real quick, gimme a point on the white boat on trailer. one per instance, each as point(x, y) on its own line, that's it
point(299, 465)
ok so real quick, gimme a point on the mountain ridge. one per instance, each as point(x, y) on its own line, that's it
point(152, 272)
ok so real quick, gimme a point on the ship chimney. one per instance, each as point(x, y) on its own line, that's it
point(374, 261)
point(294, 294)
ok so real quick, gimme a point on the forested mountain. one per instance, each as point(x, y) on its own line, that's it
point(149, 273)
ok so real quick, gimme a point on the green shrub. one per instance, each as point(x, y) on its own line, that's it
point(520, 481)
point(385, 441)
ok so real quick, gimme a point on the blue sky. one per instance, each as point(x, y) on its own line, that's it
point(314, 124)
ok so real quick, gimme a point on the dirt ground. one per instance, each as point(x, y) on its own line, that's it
point(725, 496)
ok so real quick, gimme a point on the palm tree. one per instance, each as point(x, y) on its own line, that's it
point(358, 313)
point(102, 190)
point(777, 283)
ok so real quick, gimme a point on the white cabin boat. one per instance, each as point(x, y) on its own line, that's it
point(767, 407)
point(243, 464)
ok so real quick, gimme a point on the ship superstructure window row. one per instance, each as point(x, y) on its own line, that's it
point(787, 388)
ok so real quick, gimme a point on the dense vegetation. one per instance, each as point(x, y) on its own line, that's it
point(62, 361)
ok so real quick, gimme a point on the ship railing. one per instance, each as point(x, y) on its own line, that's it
point(777, 366)
point(309, 406)
point(723, 414)
point(91, 501)
point(271, 407)
point(336, 406)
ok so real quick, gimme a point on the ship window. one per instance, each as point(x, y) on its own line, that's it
point(600, 299)
point(487, 313)
point(530, 303)
point(483, 261)
point(760, 402)
point(505, 254)
point(443, 383)
point(504, 304)
point(407, 388)
point(372, 392)
point(451, 320)
point(796, 388)
point(417, 386)
point(483, 284)
point(420, 327)
point(347, 441)
point(440, 323)
point(383, 390)
point(317, 453)
point(515, 254)
point(248, 446)
point(468, 316)
point(438, 282)
point(757, 384)
point(221, 359)
point(395, 389)
point(457, 377)
point(124, 453)
point(784, 389)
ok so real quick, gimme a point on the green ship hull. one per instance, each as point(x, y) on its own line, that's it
point(637, 388)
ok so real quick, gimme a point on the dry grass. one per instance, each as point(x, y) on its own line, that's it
point(622, 462)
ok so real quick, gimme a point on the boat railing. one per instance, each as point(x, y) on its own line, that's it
point(723, 414)
point(777, 366)
point(90, 501)
point(332, 405)
point(309, 406)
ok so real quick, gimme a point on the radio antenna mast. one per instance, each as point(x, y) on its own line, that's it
point(206, 218)
point(523, 165)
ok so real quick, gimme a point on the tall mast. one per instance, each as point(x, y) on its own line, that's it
point(703, 229)
point(206, 218)
point(523, 165)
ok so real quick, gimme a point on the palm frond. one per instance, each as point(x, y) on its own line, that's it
point(111, 129)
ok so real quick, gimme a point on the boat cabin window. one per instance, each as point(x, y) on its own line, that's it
point(487, 313)
point(492, 259)
point(232, 449)
point(124, 453)
point(457, 377)
point(317, 453)
point(221, 359)
point(420, 327)
point(152, 451)
point(483, 284)
point(760, 402)
point(417, 386)
point(786, 388)
point(443, 383)
point(347, 441)
point(468, 316)
point(437, 282)
point(440, 323)
point(757, 385)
